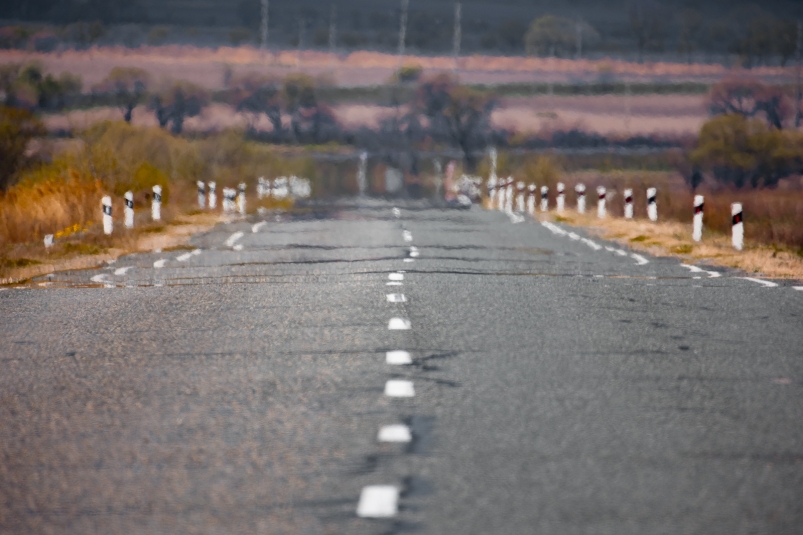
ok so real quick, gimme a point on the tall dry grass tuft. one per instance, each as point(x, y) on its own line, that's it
point(64, 198)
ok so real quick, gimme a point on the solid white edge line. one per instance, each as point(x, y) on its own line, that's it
point(398, 358)
point(394, 433)
point(399, 388)
point(768, 284)
point(378, 501)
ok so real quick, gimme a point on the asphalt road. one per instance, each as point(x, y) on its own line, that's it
point(560, 385)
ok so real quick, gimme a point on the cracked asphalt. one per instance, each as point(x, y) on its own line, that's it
point(559, 388)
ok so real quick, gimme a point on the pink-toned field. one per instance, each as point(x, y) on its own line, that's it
point(674, 115)
point(207, 66)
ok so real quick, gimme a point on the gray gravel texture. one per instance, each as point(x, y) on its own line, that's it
point(558, 389)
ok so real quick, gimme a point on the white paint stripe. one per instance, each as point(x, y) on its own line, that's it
point(233, 238)
point(399, 388)
point(398, 358)
point(554, 228)
point(396, 298)
point(640, 260)
point(693, 269)
point(184, 257)
point(396, 276)
point(378, 501)
point(800, 288)
point(396, 212)
point(255, 228)
point(768, 284)
point(160, 263)
point(394, 283)
point(196, 252)
point(99, 278)
point(407, 235)
point(714, 274)
point(574, 236)
point(122, 270)
point(399, 324)
point(591, 244)
point(515, 218)
point(409, 259)
point(394, 433)
point(621, 252)
point(414, 254)
point(238, 247)
point(610, 249)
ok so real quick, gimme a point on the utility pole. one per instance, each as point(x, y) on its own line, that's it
point(402, 31)
point(264, 26)
point(457, 35)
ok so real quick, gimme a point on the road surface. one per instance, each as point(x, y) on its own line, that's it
point(556, 384)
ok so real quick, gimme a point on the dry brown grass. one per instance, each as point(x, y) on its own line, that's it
point(671, 238)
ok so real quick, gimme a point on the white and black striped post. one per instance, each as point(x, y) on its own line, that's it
point(580, 189)
point(48, 241)
point(491, 190)
point(531, 198)
point(509, 195)
point(212, 195)
point(241, 199)
point(560, 202)
point(628, 204)
point(544, 198)
point(260, 188)
point(156, 204)
point(697, 230)
point(129, 209)
point(652, 206)
point(737, 225)
point(520, 196)
point(201, 194)
point(601, 194)
point(106, 206)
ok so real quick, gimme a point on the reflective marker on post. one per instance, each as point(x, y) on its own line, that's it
point(601, 192)
point(531, 199)
point(520, 197)
point(697, 231)
point(544, 198)
point(212, 196)
point(628, 204)
point(156, 205)
point(737, 226)
point(106, 206)
point(581, 198)
point(201, 194)
point(652, 207)
point(560, 203)
point(129, 209)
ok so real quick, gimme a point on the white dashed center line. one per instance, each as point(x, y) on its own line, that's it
point(398, 358)
point(160, 263)
point(98, 278)
point(255, 228)
point(184, 257)
point(399, 388)
point(396, 276)
point(399, 324)
point(414, 251)
point(591, 244)
point(378, 501)
point(395, 433)
point(800, 288)
point(393, 283)
point(409, 259)
point(233, 238)
point(768, 284)
point(640, 260)
point(574, 236)
point(396, 298)
point(695, 269)
point(407, 235)
point(238, 247)
point(122, 270)
point(396, 212)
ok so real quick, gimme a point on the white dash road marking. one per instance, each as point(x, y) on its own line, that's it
point(396, 276)
point(554, 228)
point(184, 257)
point(640, 260)
point(98, 278)
point(799, 288)
point(591, 244)
point(409, 259)
point(394, 283)
point(394, 433)
point(399, 388)
point(407, 235)
point(621, 252)
point(414, 252)
point(396, 212)
point(574, 236)
point(399, 324)
point(768, 284)
point(515, 218)
point(695, 269)
point(122, 270)
point(233, 238)
point(396, 298)
point(378, 501)
point(610, 249)
point(196, 252)
point(238, 247)
point(398, 358)
point(255, 228)
point(160, 263)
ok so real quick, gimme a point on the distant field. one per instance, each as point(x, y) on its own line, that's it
point(205, 66)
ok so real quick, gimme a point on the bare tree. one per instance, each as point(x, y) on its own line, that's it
point(749, 97)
